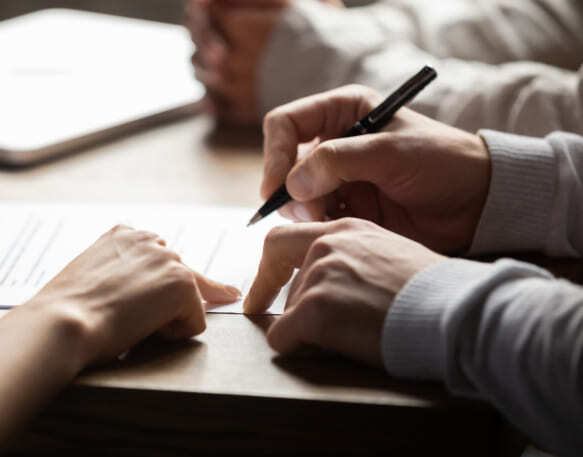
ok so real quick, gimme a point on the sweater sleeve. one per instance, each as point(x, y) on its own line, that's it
point(383, 44)
point(508, 333)
point(535, 200)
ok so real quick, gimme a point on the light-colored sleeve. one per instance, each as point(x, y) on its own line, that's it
point(507, 333)
point(497, 31)
point(317, 47)
point(535, 199)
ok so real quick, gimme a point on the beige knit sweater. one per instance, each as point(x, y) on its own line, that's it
point(510, 65)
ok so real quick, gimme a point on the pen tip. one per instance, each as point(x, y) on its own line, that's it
point(254, 219)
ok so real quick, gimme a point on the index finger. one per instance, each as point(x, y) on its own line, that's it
point(284, 250)
point(326, 115)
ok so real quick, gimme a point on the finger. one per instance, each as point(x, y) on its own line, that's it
point(284, 250)
point(200, 25)
point(371, 158)
point(211, 53)
point(213, 78)
point(209, 50)
point(285, 334)
point(190, 323)
point(244, 24)
point(330, 324)
point(121, 228)
point(145, 236)
point(305, 212)
point(214, 292)
point(326, 115)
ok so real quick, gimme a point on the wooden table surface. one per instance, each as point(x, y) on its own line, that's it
point(225, 392)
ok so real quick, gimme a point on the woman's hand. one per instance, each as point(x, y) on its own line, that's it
point(231, 37)
point(125, 287)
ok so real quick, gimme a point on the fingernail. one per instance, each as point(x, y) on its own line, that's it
point(299, 182)
point(302, 214)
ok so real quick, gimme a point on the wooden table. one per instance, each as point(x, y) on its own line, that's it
point(225, 392)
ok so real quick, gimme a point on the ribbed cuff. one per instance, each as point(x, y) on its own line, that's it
point(420, 337)
point(414, 343)
point(517, 213)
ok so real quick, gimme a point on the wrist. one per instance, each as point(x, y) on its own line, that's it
point(63, 329)
point(478, 178)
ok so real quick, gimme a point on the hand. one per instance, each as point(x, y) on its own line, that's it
point(350, 271)
point(124, 288)
point(420, 178)
point(231, 37)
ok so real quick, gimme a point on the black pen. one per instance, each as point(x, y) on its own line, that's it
point(371, 123)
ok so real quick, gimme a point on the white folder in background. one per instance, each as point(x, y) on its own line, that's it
point(69, 78)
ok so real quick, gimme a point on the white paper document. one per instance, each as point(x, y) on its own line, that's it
point(38, 240)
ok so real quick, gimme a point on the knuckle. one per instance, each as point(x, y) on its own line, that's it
point(163, 254)
point(321, 247)
point(157, 256)
point(326, 150)
point(359, 89)
point(347, 224)
point(324, 270)
point(179, 275)
point(273, 237)
point(365, 93)
point(119, 229)
point(318, 272)
point(315, 310)
point(272, 119)
point(381, 142)
point(144, 235)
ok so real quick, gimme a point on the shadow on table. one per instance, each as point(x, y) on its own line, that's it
point(325, 368)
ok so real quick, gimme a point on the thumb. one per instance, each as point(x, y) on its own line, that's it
point(362, 158)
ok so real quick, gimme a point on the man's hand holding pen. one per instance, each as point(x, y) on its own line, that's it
point(417, 177)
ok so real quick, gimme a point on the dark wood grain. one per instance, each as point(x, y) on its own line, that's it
point(337, 407)
point(98, 421)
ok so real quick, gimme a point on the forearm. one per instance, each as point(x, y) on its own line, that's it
point(41, 354)
point(508, 333)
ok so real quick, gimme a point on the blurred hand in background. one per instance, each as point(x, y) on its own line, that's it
point(230, 37)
